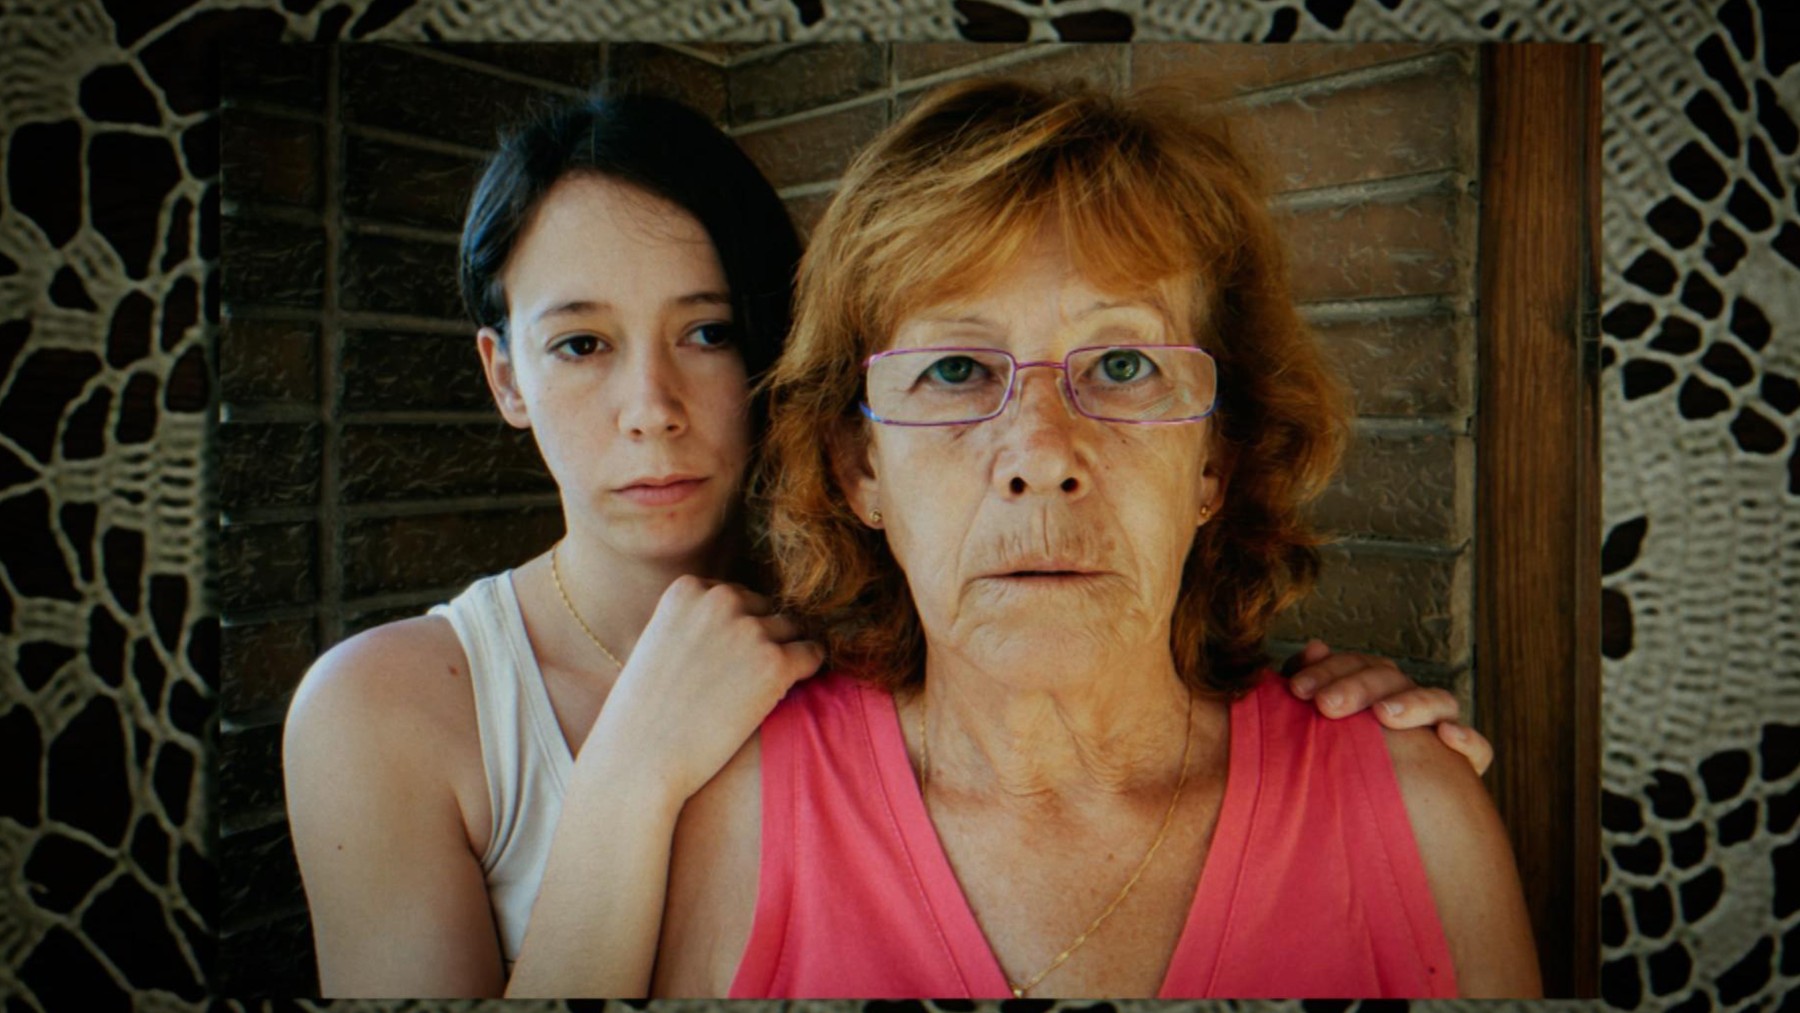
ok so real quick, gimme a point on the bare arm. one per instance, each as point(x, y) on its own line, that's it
point(398, 901)
point(1469, 866)
point(710, 666)
point(594, 927)
point(713, 882)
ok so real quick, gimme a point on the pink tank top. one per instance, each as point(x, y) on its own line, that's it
point(1313, 886)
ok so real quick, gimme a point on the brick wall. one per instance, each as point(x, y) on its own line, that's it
point(363, 474)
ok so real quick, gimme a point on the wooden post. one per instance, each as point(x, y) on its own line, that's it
point(1537, 685)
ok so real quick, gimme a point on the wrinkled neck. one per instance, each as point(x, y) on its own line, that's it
point(1117, 731)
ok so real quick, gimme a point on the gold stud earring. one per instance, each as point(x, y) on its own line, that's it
point(875, 516)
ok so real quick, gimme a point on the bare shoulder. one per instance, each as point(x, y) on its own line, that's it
point(1469, 866)
point(1432, 771)
point(393, 705)
point(1453, 820)
point(387, 808)
point(713, 881)
point(411, 673)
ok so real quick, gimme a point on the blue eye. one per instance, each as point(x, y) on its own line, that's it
point(952, 369)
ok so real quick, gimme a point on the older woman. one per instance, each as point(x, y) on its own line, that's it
point(1040, 440)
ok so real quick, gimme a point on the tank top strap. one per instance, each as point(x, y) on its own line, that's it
point(1313, 853)
point(855, 897)
point(522, 748)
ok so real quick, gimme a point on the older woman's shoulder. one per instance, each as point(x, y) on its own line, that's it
point(833, 707)
point(1290, 740)
point(1469, 865)
point(1422, 760)
point(1276, 707)
point(832, 691)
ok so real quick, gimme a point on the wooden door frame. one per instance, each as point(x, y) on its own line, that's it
point(1537, 657)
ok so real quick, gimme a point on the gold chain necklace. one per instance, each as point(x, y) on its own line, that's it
point(556, 575)
point(1020, 988)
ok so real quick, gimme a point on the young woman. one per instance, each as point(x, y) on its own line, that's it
point(630, 274)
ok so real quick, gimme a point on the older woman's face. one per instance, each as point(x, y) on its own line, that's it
point(1040, 541)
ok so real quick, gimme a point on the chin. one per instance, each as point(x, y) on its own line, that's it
point(1040, 649)
point(1058, 606)
point(695, 540)
point(1052, 634)
point(672, 537)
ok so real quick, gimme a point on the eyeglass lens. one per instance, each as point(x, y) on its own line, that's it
point(1122, 383)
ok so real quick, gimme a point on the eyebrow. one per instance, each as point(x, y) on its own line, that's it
point(583, 307)
point(1155, 307)
point(977, 320)
point(967, 319)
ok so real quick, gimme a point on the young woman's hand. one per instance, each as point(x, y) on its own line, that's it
point(711, 664)
point(713, 661)
point(1344, 683)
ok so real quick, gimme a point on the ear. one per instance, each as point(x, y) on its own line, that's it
point(848, 446)
point(1214, 478)
point(496, 362)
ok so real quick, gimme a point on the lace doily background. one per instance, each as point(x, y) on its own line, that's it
point(107, 297)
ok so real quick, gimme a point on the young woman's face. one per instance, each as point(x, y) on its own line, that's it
point(623, 363)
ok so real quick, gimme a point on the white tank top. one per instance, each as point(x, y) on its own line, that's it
point(522, 749)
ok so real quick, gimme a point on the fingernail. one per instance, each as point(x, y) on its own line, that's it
point(1392, 708)
point(1458, 732)
point(1304, 684)
point(1332, 700)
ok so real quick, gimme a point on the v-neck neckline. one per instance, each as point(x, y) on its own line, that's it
point(1194, 960)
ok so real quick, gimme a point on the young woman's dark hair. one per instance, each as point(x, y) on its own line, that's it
point(664, 148)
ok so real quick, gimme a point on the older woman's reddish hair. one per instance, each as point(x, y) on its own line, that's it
point(1146, 194)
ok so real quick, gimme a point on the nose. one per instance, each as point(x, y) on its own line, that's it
point(652, 403)
point(1039, 455)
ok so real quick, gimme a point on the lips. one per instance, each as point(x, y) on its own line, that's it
point(1045, 569)
point(661, 490)
point(1047, 550)
point(1045, 581)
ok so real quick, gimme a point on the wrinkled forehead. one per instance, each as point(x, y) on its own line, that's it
point(1050, 272)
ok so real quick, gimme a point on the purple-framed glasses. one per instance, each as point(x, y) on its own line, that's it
point(1146, 385)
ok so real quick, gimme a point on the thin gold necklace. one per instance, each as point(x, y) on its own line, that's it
point(1020, 988)
point(556, 575)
